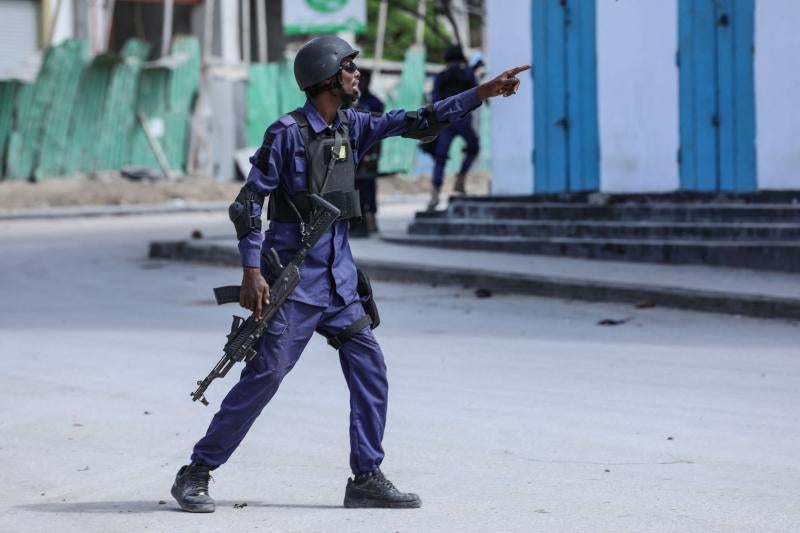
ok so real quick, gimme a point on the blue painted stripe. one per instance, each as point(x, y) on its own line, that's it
point(685, 100)
point(584, 168)
point(688, 149)
point(717, 96)
point(746, 155)
point(696, 41)
point(566, 134)
point(736, 95)
point(549, 103)
point(705, 95)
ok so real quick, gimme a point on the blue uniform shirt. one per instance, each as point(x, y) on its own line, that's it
point(329, 265)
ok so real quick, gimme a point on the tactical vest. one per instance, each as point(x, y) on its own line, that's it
point(330, 172)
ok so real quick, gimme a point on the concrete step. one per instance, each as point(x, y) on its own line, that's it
point(656, 212)
point(752, 231)
point(683, 197)
point(776, 255)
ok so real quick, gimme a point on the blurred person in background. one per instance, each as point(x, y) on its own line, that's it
point(314, 150)
point(456, 78)
point(367, 171)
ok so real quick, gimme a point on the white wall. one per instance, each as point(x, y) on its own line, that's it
point(228, 12)
point(65, 22)
point(777, 77)
point(638, 94)
point(509, 45)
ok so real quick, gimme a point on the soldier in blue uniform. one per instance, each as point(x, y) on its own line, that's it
point(454, 79)
point(315, 149)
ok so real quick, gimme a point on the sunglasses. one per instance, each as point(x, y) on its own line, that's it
point(349, 66)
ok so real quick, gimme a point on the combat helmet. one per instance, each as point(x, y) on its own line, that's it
point(319, 59)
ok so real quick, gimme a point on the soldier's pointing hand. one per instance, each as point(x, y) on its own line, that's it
point(505, 84)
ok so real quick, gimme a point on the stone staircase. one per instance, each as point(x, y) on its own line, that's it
point(756, 231)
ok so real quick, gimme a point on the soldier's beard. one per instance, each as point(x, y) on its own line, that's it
point(349, 99)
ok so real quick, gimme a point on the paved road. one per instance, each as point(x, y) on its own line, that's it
point(506, 413)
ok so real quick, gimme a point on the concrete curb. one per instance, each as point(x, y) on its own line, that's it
point(112, 210)
point(535, 285)
point(150, 209)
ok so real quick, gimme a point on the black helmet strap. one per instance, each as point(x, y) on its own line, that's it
point(323, 86)
point(337, 83)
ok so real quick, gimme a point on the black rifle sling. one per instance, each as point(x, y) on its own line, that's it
point(337, 146)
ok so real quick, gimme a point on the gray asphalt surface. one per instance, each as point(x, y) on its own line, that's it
point(506, 413)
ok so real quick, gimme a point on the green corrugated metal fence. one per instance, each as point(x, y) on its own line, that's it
point(87, 118)
point(43, 107)
point(14, 148)
point(166, 97)
point(271, 92)
point(399, 154)
point(183, 83)
point(151, 102)
point(79, 117)
point(53, 146)
point(9, 90)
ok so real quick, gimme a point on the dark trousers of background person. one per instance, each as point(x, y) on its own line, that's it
point(367, 192)
point(463, 128)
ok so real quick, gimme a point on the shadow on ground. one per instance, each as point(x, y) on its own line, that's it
point(141, 507)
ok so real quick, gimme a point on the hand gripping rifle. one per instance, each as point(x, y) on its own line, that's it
point(245, 333)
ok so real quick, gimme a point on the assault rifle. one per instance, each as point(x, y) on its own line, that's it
point(245, 333)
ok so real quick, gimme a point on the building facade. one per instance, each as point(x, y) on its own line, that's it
point(646, 95)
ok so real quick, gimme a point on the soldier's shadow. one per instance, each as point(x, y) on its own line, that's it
point(140, 507)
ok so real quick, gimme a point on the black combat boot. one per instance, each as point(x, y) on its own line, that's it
point(434, 201)
point(374, 490)
point(190, 489)
point(459, 186)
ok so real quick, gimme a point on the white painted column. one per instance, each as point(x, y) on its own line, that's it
point(419, 39)
point(261, 25)
point(637, 81)
point(62, 13)
point(246, 39)
point(209, 14)
point(229, 31)
point(98, 22)
point(777, 81)
point(166, 28)
point(380, 37)
point(510, 44)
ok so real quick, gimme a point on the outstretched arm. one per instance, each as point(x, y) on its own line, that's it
point(428, 121)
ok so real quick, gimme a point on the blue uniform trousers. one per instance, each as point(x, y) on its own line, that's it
point(462, 127)
point(279, 349)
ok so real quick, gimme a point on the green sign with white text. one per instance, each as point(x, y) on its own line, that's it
point(324, 16)
point(326, 6)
